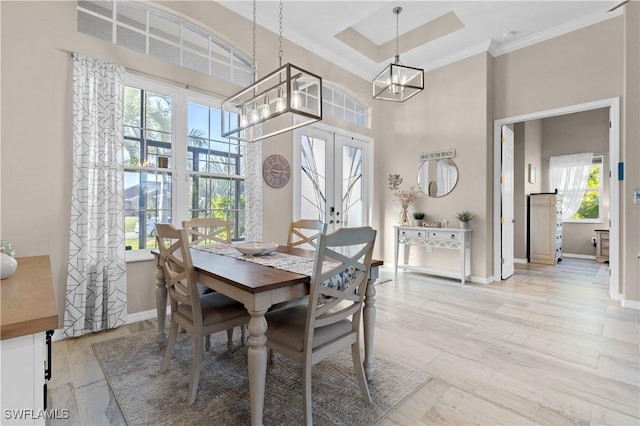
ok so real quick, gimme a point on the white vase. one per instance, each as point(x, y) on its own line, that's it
point(465, 225)
point(8, 266)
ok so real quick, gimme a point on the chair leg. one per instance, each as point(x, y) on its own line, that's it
point(207, 342)
point(306, 382)
point(194, 377)
point(171, 345)
point(357, 366)
point(230, 338)
point(244, 336)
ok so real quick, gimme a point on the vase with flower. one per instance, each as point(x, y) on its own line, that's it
point(405, 197)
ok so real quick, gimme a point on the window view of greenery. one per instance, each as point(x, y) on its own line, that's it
point(215, 170)
point(148, 150)
point(590, 207)
point(214, 167)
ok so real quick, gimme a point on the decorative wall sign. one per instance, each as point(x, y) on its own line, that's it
point(437, 155)
point(276, 171)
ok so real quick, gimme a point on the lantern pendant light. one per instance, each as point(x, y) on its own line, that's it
point(288, 98)
point(398, 82)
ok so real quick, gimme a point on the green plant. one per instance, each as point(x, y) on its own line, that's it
point(465, 216)
point(418, 215)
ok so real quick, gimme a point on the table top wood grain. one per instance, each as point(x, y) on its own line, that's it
point(27, 299)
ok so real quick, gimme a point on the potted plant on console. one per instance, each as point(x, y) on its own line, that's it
point(465, 217)
point(418, 217)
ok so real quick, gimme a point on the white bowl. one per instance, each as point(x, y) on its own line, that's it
point(256, 249)
point(8, 266)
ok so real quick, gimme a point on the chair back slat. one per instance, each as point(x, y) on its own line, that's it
point(175, 257)
point(338, 292)
point(207, 231)
point(305, 231)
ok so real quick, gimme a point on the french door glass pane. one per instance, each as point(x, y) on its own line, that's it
point(313, 178)
point(352, 186)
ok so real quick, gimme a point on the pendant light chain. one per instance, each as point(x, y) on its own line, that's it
point(397, 36)
point(280, 38)
point(255, 66)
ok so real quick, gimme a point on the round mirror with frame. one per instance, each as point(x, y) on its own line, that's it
point(437, 178)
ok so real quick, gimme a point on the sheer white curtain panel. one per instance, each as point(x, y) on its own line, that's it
point(569, 174)
point(96, 297)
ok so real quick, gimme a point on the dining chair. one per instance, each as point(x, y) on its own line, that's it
point(299, 232)
point(330, 321)
point(213, 230)
point(203, 230)
point(197, 314)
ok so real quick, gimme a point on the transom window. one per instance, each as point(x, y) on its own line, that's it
point(135, 26)
point(339, 104)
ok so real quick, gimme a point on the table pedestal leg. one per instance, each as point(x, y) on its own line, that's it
point(369, 322)
point(161, 306)
point(257, 360)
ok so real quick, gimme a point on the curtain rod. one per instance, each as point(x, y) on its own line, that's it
point(187, 86)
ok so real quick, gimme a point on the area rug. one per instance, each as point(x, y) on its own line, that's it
point(131, 366)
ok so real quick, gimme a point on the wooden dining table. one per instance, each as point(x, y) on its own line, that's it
point(259, 287)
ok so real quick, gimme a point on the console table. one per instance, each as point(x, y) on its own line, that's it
point(445, 238)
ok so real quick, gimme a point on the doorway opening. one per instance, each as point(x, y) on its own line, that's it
point(613, 104)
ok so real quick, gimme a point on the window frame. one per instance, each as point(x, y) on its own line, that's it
point(181, 97)
point(596, 160)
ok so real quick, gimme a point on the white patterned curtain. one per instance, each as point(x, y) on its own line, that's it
point(96, 297)
point(253, 191)
point(569, 174)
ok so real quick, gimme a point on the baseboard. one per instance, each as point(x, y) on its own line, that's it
point(131, 318)
point(632, 304)
point(578, 256)
point(524, 261)
point(481, 280)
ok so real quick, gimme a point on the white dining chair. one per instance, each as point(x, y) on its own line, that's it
point(330, 321)
point(305, 231)
point(201, 231)
point(199, 315)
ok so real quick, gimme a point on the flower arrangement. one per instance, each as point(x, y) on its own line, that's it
point(405, 197)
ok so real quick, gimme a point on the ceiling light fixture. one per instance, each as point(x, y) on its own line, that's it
point(398, 82)
point(288, 98)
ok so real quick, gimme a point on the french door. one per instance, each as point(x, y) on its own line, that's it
point(332, 178)
point(507, 207)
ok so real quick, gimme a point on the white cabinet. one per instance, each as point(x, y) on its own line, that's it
point(457, 239)
point(23, 379)
point(28, 311)
point(545, 228)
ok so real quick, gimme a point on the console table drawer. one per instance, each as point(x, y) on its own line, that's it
point(443, 235)
point(412, 233)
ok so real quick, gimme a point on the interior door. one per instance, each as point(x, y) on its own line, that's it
point(331, 180)
point(506, 206)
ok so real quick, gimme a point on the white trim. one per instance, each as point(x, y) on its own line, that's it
point(480, 280)
point(579, 256)
point(131, 318)
point(614, 196)
point(520, 261)
point(631, 304)
point(576, 24)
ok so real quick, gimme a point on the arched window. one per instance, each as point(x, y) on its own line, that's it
point(161, 35)
point(337, 103)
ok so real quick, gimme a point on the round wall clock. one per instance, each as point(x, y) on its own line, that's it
point(276, 171)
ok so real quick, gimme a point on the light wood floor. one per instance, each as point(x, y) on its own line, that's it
point(546, 347)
